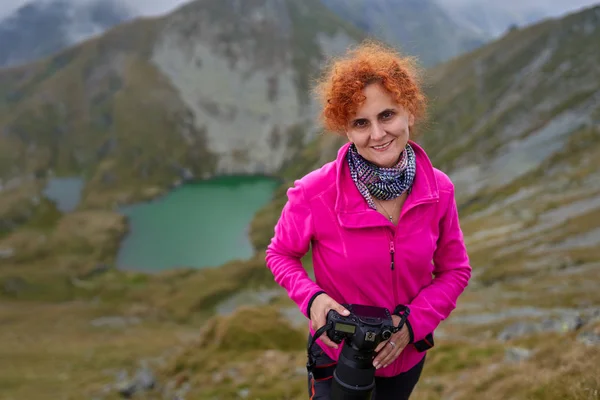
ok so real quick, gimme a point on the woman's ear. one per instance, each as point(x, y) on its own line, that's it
point(411, 119)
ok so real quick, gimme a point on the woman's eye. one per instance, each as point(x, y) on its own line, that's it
point(361, 123)
point(387, 115)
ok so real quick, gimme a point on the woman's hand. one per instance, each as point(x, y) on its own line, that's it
point(318, 315)
point(389, 350)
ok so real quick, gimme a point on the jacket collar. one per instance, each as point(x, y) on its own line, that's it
point(353, 210)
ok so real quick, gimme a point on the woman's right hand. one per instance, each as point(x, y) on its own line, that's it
point(318, 315)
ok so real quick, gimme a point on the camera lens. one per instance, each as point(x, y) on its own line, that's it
point(386, 334)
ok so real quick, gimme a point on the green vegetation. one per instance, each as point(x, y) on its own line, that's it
point(75, 320)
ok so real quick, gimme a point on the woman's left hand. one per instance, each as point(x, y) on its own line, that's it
point(390, 349)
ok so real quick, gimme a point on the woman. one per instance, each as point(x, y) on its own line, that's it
point(381, 220)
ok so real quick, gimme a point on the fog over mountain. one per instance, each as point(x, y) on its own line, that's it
point(140, 7)
point(158, 7)
point(40, 28)
point(494, 17)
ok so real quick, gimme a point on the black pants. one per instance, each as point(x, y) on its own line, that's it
point(398, 387)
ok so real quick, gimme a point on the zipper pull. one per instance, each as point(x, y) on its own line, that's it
point(392, 254)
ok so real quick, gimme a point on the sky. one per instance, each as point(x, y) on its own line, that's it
point(158, 7)
point(145, 7)
point(555, 6)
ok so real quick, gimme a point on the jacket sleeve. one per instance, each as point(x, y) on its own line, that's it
point(293, 234)
point(452, 272)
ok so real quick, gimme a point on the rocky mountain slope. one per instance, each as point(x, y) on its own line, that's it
point(524, 117)
point(224, 87)
point(41, 28)
point(516, 126)
point(419, 27)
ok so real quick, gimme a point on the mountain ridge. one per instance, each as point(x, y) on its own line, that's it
point(112, 146)
point(39, 29)
point(426, 30)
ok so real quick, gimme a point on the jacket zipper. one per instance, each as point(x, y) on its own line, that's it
point(393, 268)
point(394, 286)
point(392, 255)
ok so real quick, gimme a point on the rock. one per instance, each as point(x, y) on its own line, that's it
point(589, 338)
point(563, 324)
point(217, 377)
point(6, 253)
point(187, 174)
point(126, 389)
point(115, 322)
point(592, 317)
point(244, 393)
point(518, 329)
point(13, 285)
point(108, 178)
point(516, 354)
point(107, 148)
point(99, 269)
point(143, 380)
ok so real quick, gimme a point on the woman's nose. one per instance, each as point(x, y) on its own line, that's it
point(377, 131)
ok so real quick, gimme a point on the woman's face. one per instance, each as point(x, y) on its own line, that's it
point(380, 128)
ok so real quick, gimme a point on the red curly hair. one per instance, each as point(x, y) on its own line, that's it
point(340, 87)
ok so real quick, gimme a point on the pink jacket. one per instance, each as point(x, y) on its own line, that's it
point(353, 246)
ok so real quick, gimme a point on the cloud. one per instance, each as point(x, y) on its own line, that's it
point(551, 7)
point(140, 7)
point(8, 6)
point(159, 7)
point(155, 7)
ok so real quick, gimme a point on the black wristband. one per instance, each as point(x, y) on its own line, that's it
point(411, 334)
point(314, 296)
point(403, 312)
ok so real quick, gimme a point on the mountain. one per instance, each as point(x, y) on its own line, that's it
point(516, 124)
point(493, 18)
point(41, 28)
point(418, 27)
point(215, 87)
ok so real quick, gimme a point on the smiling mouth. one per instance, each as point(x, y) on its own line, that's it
point(383, 146)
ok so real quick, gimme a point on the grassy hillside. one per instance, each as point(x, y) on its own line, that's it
point(516, 125)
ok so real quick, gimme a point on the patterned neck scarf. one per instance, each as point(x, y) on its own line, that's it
point(382, 183)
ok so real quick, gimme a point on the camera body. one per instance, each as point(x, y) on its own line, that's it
point(363, 329)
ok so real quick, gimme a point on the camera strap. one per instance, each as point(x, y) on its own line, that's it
point(310, 364)
point(403, 312)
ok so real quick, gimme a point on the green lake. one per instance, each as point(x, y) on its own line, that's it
point(200, 224)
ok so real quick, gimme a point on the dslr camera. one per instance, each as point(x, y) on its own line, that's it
point(364, 328)
point(361, 331)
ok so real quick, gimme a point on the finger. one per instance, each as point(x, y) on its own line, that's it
point(328, 342)
point(341, 310)
point(390, 357)
point(381, 356)
point(380, 346)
